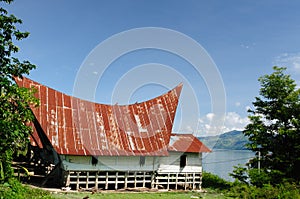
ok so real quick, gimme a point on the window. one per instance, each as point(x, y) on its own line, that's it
point(183, 161)
point(94, 160)
point(142, 160)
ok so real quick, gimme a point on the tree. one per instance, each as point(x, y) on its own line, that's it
point(274, 129)
point(14, 101)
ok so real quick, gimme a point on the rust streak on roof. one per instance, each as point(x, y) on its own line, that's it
point(79, 127)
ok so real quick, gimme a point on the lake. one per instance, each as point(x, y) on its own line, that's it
point(221, 162)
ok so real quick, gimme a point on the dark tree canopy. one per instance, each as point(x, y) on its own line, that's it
point(14, 101)
point(274, 127)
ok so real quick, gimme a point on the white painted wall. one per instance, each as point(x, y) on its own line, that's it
point(109, 163)
point(169, 163)
point(172, 163)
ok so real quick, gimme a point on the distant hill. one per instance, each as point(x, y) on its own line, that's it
point(233, 140)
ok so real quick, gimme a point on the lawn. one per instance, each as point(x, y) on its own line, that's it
point(14, 189)
point(130, 195)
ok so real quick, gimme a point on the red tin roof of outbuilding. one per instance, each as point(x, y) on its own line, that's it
point(187, 143)
point(79, 127)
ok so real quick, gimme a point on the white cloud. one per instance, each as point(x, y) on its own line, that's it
point(244, 46)
point(238, 104)
point(248, 45)
point(200, 120)
point(232, 121)
point(189, 129)
point(210, 116)
point(289, 60)
point(292, 62)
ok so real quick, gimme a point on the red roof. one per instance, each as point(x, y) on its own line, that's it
point(78, 127)
point(187, 143)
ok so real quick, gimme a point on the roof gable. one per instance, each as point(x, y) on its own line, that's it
point(187, 143)
point(79, 127)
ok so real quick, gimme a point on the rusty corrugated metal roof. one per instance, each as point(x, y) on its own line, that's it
point(78, 127)
point(187, 143)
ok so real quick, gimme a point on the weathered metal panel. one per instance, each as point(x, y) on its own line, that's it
point(78, 127)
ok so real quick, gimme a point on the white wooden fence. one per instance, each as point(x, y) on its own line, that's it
point(133, 179)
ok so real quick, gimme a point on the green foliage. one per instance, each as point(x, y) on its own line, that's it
point(259, 177)
point(14, 189)
point(286, 190)
point(14, 101)
point(213, 181)
point(251, 176)
point(275, 126)
point(240, 173)
point(249, 191)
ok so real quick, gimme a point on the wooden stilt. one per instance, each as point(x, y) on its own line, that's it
point(135, 179)
point(144, 180)
point(168, 182)
point(96, 181)
point(116, 182)
point(68, 179)
point(77, 182)
point(125, 180)
point(152, 180)
point(194, 181)
point(106, 180)
point(176, 181)
point(185, 182)
point(87, 180)
point(200, 184)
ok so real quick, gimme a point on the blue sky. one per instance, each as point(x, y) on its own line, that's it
point(243, 38)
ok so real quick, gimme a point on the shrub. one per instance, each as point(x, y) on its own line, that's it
point(286, 190)
point(14, 189)
point(258, 178)
point(213, 181)
point(240, 173)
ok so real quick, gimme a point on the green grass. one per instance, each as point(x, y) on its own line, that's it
point(128, 195)
point(14, 189)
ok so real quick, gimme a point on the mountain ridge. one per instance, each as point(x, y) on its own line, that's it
point(232, 140)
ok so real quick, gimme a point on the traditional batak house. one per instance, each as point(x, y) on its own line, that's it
point(81, 144)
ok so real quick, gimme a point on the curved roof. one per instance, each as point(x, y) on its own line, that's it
point(79, 127)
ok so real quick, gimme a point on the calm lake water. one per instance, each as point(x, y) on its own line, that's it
point(221, 162)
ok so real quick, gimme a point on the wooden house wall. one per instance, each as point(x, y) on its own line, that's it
point(172, 163)
point(109, 163)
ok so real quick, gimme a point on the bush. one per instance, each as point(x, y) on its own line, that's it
point(259, 178)
point(286, 190)
point(240, 173)
point(213, 181)
point(14, 189)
